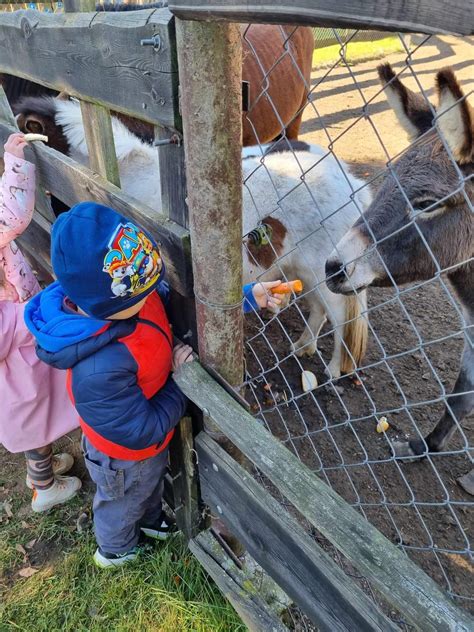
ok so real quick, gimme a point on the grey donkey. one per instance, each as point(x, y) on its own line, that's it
point(422, 218)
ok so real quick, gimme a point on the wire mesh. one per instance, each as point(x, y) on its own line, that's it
point(328, 37)
point(299, 202)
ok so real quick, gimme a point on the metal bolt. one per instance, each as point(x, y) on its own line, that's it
point(219, 509)
point(154, 41)
point(174, 139)
point(215, 468)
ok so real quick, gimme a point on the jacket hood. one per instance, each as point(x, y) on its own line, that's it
point(64, 338)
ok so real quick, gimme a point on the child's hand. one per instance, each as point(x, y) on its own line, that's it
point(181, 354)
point(15, 145)
point(264, 298)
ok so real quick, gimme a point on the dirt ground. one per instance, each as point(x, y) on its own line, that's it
point(418, 506)
point(333, 429)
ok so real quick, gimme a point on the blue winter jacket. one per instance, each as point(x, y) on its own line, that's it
point(118, 371)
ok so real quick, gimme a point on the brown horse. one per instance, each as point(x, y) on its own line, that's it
point(277, 64)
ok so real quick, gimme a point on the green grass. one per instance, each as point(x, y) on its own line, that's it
point(357, 51)
point(163, 591)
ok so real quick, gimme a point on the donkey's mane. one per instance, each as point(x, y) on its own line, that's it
point(44, 104)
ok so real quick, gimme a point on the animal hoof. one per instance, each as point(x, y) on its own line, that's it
point(333, 373)
point(308, 350)
point(403, 449)
point(467, 482)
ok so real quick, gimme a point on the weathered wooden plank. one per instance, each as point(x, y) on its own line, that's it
point(279, 544)
point(100, 141)
point(98, 56)
point(183, 472)
point(35, 241)
point(168, 491)
point(253, 611)
point(97, 122)
point(172, 176)
point(418, 16)
point(401, 581)
point(73, 183)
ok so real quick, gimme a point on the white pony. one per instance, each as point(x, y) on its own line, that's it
point(304, 201)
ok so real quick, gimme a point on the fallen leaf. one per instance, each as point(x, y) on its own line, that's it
point(28, 571)
point(82, 522)
point(29, 545)
point(25, 525)
point(8, 509)
point(20, 549)
point(177, 580)
point(461, 561)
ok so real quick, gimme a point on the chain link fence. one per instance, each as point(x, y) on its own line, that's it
point(355, 383)
point(328, 37)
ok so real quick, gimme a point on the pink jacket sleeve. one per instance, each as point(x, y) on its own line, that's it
point(17, 197)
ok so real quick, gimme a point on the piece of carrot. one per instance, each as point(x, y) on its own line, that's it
point(286, 288)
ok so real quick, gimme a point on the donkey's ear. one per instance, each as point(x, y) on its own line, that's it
point(412, 110)
point(29, 123)
point(456, 116)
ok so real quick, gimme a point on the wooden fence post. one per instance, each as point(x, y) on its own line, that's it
point(210, 67)
point(210, 70)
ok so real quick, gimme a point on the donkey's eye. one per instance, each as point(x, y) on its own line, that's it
point(425, 205)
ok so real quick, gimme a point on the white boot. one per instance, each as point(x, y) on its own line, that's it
point(63, 489)
point(62, 463)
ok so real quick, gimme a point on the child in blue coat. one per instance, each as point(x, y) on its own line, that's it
point(104, 322)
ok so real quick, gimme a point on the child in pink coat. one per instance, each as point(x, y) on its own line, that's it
point(35, 409)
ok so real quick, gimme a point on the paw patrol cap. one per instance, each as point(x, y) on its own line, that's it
point(104, 261)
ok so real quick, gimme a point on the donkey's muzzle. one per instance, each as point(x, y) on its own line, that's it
point(336, 275)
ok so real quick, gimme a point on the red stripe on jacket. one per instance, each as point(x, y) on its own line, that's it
point(152, 351)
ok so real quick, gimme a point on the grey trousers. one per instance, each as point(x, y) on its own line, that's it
point(128, 496)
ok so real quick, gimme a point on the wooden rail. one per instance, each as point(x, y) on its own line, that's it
point(397, 578)
point(417, 16)
point(278, 543)
point(97, 57)
point(235, 584)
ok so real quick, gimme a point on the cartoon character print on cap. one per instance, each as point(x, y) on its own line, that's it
point(132, 261)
